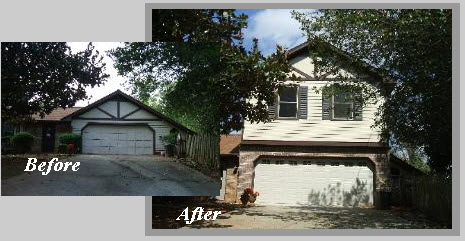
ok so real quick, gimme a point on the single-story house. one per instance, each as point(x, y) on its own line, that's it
point(114, 124)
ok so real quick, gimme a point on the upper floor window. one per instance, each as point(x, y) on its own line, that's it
point(343, 107)
point(288, 102)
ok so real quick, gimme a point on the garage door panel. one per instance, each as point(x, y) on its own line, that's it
point(313, 184)
point(114, 139)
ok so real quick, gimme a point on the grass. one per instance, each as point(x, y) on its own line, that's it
point(14, 164)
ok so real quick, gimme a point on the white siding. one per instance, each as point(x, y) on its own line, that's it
point(94, 113)
point(140, 114)
point(314, 128)
point(126, 108)
point(305, 65)
point(110, 107)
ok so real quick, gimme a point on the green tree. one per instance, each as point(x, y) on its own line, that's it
point(39, 77)
point(412, 47)
point(229, 83)
point(182, 74)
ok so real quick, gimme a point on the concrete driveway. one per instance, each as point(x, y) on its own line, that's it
point(283, 217)
point(115, 175)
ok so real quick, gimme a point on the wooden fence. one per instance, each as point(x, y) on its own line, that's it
point(430, 194)
point(202, 149)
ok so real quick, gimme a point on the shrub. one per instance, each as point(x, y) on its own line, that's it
point(22, 142)
point(70, 138)
point(62, 148)
point(170, 139)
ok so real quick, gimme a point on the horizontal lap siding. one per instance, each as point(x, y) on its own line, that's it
point(314, 128)
point(161, 128)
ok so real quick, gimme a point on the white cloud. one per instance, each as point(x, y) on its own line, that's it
point(274, 27)
point(113, 82)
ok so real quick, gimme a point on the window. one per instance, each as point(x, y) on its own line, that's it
point(279, 162)
point(307, 163)
point(334, 164)
point(343, 107)
point(321, 163)
point(288, 102)
point(293, 163)
point(362, 164)
point(348, 164)
point(266, 161)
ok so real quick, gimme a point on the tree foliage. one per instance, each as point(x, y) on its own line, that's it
point(238, 76)
point(412, 47)
point(181, 73)
point(39, 77)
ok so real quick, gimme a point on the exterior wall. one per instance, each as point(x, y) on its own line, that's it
point(229, 164)
point(379, 157)
point(231, 185)
point(126, 114)
point(314, 128)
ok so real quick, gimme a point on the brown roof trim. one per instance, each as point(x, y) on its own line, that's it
point(229, 154)
point(133, 100)
point(314, 143)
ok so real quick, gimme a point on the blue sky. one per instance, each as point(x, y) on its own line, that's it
point(272, 27)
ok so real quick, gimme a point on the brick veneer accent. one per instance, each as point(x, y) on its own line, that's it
point(231, 185)
point(377, 158)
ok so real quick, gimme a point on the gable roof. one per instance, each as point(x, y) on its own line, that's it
point(119, 93)
point(56, 114)
point(342, 56)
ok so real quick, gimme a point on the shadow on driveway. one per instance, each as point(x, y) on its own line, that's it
point(304, 217)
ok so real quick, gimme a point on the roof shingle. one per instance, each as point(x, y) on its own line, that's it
point(56, 114)
point(229, 144)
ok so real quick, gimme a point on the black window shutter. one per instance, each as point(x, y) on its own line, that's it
point(272, 109)
point(326, 106)
point(357, 109)
point(303, 96)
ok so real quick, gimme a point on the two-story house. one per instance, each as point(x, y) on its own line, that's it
point(317, 150)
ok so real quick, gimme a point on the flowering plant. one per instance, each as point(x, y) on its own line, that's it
point(249, 195)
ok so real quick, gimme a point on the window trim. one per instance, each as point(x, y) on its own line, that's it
point(352, 112)
point(296, 102)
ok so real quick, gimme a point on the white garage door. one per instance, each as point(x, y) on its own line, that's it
point(314, 182)
point(117, 139)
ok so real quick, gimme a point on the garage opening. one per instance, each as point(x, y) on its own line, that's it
point(343, 183)
point(118, 139)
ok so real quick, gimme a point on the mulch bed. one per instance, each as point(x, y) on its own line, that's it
point(165, 210)
point(14, 164)
point(215, 174)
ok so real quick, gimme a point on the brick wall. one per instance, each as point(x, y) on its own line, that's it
point(377, 158)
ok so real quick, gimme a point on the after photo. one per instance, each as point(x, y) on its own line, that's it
point(329, 118)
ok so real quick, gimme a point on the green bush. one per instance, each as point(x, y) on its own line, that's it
point(62, 148)
point(70, 138)
point(22, 142)
point(170, 139)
